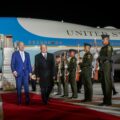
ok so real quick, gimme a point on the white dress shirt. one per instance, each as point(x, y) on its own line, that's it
point(44, 55)
point(22, 54)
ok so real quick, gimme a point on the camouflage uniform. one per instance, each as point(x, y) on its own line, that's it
point(72, 73)
point(58, 82)
point(64, 82)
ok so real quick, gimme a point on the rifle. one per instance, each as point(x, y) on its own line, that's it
point(78, 65)
point(66, 73)
point(59, 74)
point(96, 64)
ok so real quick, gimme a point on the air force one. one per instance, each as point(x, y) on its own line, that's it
point(58, 36)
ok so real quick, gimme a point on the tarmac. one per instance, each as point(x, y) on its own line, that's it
point(97, 99)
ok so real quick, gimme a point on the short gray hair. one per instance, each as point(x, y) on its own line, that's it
point(43, 45)
point(18, 43)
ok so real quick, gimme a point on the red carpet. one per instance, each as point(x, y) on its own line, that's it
point(55, 110)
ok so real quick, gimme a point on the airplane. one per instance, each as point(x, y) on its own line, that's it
point(57, 35)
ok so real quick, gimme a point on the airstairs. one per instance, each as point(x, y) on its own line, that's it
point(7, 78)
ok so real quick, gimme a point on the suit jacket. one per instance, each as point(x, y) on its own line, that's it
point(45, 68)
point(18, 65)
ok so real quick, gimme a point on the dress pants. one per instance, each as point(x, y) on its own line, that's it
point(23, 79)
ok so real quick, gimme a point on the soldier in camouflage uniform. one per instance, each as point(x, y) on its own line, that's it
point(105, 70)
point(86, 67)
point(63, 79)
point(58, 80)
point(72, 73)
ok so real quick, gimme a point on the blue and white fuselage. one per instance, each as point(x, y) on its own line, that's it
point(57, 35)
point(36, 31)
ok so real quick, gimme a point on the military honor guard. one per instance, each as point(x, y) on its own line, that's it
point(105, 62)
point(58, 74)
point(65, 73)
point(72, 72)
point(86, 68)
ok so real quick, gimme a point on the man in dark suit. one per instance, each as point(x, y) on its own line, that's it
point(21, 68)
point(45, 72)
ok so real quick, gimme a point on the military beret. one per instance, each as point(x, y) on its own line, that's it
point(87, 44)
point(72, 50)
point(105, 36)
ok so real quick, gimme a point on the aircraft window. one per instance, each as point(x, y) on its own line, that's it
point(92, 43)
point(48, 42)
point(32, 43)
point(52, 42)
point(45, 42)
point(29, 42)
point(41, 42)
point(56, 42)
point(119, 43)
point(60, 43)
point(114, 43)
point(38, 42)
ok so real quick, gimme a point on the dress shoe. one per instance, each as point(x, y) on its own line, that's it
point(19, 104)
point(74, 96)
point(58, 94)
point(85, 100)
point(62, 95)
point(108, 104)
point(79, 91)
point(45, 102)
point(65, 96)
point(27, 103)
point(33, 90)
point(102, 104)
point(115, 93)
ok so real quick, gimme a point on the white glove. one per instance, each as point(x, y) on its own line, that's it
point(66, 66)
point(96, 56)
point(78, 61)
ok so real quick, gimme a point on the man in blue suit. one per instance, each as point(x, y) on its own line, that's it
point(21, 68)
